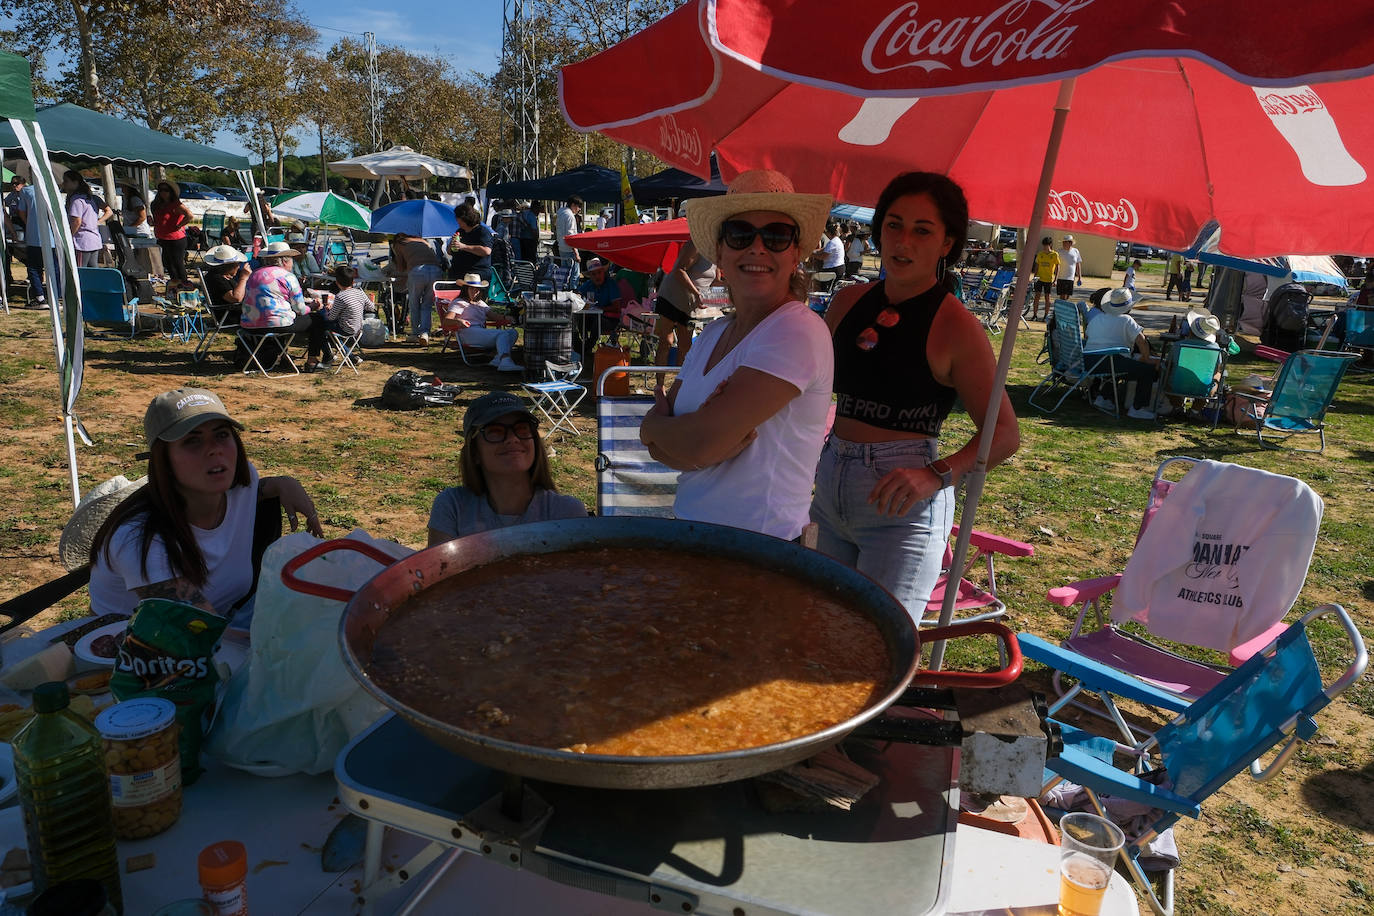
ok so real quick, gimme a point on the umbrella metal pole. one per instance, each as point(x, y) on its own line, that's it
point(974, 487)
point(71, 459)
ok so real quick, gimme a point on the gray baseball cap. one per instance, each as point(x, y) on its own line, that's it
point(173, 414)
point(492, 406)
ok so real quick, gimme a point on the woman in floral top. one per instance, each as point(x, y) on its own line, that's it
point(273, 301)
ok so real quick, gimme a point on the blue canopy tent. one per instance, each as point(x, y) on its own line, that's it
point(593, 183)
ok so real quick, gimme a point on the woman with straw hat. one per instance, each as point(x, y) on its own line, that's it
point(273, 301)
point(905, 349)
point(187, 533)
point(746, 417)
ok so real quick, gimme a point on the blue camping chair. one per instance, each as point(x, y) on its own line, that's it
point(990, 301)
point(628, 480)
point(1192, 371)
point(1072, 367)
point(103, 302)
point(1302, 393)
point(1269, 701)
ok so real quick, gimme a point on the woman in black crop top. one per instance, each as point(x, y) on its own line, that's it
point(905, 349)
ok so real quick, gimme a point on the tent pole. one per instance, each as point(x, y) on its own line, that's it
point(71, 459)
point(976, 478)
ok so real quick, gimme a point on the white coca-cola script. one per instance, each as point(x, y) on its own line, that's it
point(1078, 209)
point(1281, 102)
point(680, 143)
point(1017, 30)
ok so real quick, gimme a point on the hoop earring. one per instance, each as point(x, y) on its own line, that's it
point(940, 271)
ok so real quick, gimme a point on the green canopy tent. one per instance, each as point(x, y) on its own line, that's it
point(83, 135)
point(16, 106)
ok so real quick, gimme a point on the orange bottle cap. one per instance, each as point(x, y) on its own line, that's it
point(222, 863)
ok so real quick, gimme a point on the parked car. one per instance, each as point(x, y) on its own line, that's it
point(1142, 251)
point(232, 193)
point(1006, 238)
point(194, 190)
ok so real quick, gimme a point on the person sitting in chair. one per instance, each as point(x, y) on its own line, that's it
point(505, 474)
point(345, 313)
point(602, 291)
point(1110, 326)
point(273, 301)
point(227, 279)
point(469, 315)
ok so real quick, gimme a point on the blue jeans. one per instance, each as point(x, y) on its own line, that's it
point(901, 553)
point(420, 294)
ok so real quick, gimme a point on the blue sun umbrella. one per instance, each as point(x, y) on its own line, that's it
point(426, 219)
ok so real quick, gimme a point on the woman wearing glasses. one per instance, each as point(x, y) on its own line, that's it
point(746, 418)
point(505, 474)
point(905, 349)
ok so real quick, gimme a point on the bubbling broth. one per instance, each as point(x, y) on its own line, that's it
point(631, 652)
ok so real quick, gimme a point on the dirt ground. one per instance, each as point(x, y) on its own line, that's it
point(1301, 844)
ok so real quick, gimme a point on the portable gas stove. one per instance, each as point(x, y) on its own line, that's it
point(711, 849)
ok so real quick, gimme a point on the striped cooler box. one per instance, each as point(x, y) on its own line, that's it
point(546, 340)
point(628, 480)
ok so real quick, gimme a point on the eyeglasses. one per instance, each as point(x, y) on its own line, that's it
point(868, 337)
point(497, 432)
point(739, 235)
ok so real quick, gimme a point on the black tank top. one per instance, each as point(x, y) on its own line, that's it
point(890, 386)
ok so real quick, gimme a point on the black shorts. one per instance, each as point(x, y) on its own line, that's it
point(1044, 286)
point(671, 312)
point(1064, 289)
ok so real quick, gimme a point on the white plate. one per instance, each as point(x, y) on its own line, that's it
point(12, 837)
point(82, 649)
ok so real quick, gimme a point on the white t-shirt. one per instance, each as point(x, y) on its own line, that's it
point(766, 487)
point(565, 224)
point(1068, 263)
point(834, 253)
point(856, 249)
point(227, 549)
point(1107, 331)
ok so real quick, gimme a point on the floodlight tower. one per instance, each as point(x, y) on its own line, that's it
point(519, 96)
point(374, 99)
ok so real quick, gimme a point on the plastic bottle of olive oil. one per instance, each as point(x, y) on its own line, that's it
point(65, 794)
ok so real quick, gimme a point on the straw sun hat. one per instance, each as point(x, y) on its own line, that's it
point(758, 189)
point(74, 550)
point(1203, 325)
point(279, 250)
point(224, 254)
point(474, 280)
point(1117, 302)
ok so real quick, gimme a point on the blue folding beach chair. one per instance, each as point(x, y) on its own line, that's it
point(103, 302)
point(628, 480)
point(1072, 367)
point(1302, 393)
point(1268, 701)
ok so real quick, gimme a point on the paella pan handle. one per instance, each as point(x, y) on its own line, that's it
point(1011, 651)
point(296, 584)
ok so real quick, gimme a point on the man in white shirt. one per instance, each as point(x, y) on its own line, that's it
point(1070, 269)
point(1109, 327)
point(831, 252)
point(565, 223)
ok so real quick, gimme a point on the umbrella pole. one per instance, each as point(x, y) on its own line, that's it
point(976, 478)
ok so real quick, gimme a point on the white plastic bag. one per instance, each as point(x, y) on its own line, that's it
point(294, 705)
point(374, 333)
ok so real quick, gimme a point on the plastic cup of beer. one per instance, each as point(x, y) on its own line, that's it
point(1088, 848)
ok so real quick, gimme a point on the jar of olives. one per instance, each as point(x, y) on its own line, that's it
point(144, 765)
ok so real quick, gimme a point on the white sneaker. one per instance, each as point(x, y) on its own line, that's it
point(509, 365)
point(1102, 403)
point(424, 340)
point(1140, 413)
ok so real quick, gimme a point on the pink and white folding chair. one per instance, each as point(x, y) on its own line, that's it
point(975, 601)
point(1220, 558)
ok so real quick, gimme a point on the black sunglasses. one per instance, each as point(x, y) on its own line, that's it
point(497, 432)
point(739, 235)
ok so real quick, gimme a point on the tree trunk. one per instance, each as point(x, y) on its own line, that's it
point(324, 171)
point(281, 165)
point(90, 82)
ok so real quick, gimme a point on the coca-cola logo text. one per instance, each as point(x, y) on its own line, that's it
point(681, 143)
point(1290, 102)
point(903, 40)
point(1073, 207)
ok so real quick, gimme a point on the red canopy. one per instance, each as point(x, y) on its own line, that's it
point(1153, 148)
point(640, 246)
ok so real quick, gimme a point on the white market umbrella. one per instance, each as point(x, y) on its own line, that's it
point(398, 162)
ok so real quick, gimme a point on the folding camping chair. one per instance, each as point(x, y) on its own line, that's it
point(103, 299)
point(212, 228)
point(1220, 558)
point(217, 318)
point(558, 396)
point(991, 302)
point(253, 340)
point(1070, 365)
point(975, 601)
point(1192, 371)
point(628, 480)
point(1302, 393)
point(1269, 701)
point(346, 350)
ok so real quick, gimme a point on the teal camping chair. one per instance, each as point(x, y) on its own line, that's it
point(1268, 701)
point(1303, 392)
point(1071, 367)
point(1192, 370)
point(102, 299)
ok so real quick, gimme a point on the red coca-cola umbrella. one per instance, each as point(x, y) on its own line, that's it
point(1245, 113)
point(1153, 149)
point(640, 246)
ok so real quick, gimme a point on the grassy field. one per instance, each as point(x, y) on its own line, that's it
point(1075, 490)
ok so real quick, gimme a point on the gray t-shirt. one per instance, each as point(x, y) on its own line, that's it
point(459, 511)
